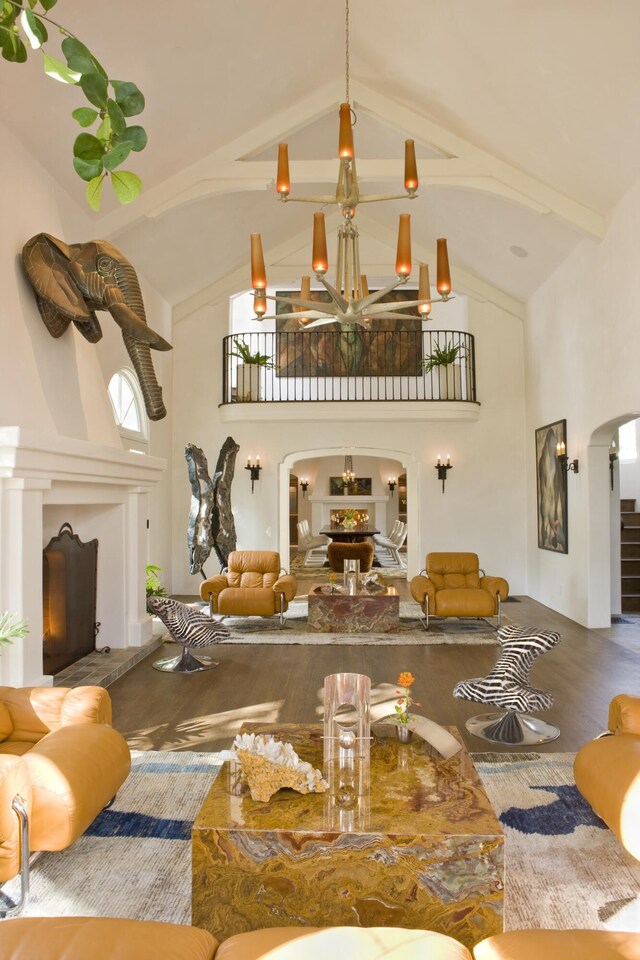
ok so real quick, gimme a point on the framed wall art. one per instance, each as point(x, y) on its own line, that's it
point(361, 487)
point(551, 480)
point(389, 348)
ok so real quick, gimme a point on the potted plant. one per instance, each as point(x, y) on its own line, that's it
point(248, 371)
point(11, 628)
point(449, 373)
point(153, 583)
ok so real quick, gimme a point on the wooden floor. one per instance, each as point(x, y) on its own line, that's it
point(159, 711)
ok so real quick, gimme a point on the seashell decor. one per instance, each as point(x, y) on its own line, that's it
point(268, 765)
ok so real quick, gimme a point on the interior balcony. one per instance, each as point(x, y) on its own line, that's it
point(390, 374)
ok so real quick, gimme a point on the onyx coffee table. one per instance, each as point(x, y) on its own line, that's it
point(333, 610)
point(424, 849)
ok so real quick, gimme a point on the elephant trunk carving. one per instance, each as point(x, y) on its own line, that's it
point(140, 353)
point(72, 281)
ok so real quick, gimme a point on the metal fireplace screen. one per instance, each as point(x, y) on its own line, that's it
point(70, 570)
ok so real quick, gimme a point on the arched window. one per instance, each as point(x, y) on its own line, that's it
point(128, 410)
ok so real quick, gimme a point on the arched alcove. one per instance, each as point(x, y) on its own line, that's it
point(408, 462)
point(603, 534)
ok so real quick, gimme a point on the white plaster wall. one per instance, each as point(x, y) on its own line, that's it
point(483, 508)
point(581, 341)
point(58, 386)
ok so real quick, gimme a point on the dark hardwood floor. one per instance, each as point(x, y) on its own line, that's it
point(159, 711)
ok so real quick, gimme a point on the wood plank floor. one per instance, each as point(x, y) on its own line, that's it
point(159, 711)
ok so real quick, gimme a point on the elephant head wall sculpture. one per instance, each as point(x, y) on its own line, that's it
point(72, 281)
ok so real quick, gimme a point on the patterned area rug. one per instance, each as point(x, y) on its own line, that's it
point(411, 632)
point(563, 867)
point(318, 572)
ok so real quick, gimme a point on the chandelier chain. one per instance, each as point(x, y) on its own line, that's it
point(346, 49)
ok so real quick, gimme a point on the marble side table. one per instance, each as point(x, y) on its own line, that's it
point(362, 613)
point(421, 848)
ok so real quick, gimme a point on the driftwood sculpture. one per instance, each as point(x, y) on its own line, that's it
point(199, 533)
point(72, 281)
point(211, 525)
point(222, 523)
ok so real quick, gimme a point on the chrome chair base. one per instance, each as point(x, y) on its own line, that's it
point(512, 728)
point(186, 663)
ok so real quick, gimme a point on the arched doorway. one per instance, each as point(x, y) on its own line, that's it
point(410, 466)
point(603, 533)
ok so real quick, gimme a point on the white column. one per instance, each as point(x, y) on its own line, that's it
point(139, 624)
point(21, 579)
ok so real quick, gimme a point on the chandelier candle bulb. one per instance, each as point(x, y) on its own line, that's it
point(258, 272)
point(345, 137)
point(439, 461)
point(410, 166)
point(283, 181)
point(444, 274)
point(448, 460)
point(403, 256)
point(320, 261)
point(424, 290)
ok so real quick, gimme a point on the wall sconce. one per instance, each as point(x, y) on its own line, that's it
point(392, 484)
point(563, 459)
point(442, 469)
point(254, 469)
point(304, 483)
point(613, 456)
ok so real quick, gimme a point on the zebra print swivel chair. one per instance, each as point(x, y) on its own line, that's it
point(508, 686)
point(190, 628)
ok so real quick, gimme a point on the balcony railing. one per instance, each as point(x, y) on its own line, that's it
point(321, 365)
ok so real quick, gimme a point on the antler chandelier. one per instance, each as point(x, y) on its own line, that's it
point(351, 302)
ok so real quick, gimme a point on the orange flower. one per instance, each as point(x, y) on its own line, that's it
point(405, 679)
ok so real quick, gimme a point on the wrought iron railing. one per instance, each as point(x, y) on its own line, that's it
point(332, 365)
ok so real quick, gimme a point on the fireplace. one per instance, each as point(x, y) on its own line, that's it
point(69, 582)
point(359, 517)
point(103, 492)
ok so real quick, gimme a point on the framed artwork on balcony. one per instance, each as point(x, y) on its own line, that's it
point(552, 488)
point(361, 487)
point(391, 348)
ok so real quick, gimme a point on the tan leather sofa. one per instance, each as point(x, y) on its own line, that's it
point(254, 585)
point(607, 772)
point(452, 585)
point(78, 938)
point(61, 757)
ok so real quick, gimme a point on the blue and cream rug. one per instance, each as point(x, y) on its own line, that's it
point(563, 866)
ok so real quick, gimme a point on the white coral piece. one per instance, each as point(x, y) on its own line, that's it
point(280, 755)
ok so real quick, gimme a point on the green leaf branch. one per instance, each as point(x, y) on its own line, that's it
point(99, 155)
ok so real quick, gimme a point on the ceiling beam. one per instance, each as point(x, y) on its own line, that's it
point(587, 220)
point(467, 166)
point(463, 281)
point(260, 137)
point(238, 279)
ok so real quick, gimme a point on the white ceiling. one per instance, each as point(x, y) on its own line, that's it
point(552, 87)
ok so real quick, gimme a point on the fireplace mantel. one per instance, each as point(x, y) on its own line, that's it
point(322, 506)
point(45, 472)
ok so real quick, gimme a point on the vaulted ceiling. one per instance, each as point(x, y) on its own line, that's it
point(524, 112)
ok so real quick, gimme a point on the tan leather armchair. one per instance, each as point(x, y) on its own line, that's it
point(60, 765)
point(454, 586)
point(607, 772)
point(254, 585)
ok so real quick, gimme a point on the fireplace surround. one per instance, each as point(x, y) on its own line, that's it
point(103, 492)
